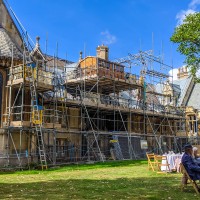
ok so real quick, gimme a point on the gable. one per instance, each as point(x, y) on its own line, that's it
point(167, 89)
point(9, 25)
point(6, 46)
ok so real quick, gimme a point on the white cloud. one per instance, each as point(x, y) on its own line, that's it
point(192, 8)
point(194, 3)
point(108, 38)
point(182, 15)
point(173, 73)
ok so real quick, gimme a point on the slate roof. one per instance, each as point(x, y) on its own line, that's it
point(194, 99)
point(71, 66)
point(159, 88)
point(6, 44)
point(61, 63)
point(183, 84)
point(177, 89)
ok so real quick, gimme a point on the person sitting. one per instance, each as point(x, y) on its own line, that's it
point(195, 154)
point(192, 167)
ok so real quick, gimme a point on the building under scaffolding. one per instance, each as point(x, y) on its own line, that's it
point(54, 111)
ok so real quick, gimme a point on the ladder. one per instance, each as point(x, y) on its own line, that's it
point(36, 119)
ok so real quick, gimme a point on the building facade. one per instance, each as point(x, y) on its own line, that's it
point(58, 111)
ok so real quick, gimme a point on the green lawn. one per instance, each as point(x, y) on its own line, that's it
point(111, 180)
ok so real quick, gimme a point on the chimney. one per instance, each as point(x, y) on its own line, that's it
point(182, 72)
point(102, 52)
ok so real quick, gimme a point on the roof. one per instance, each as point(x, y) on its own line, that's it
point(159, 88)
point(36, 52)
point(176, 89)
point(6, 44)
point(150, 97)
point(183, 84)
point(194, 97)
point(71, 66)
point(53, 61)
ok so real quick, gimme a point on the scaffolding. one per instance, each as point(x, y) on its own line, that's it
point(104, 82)
point(91, 110)
point(159, 96)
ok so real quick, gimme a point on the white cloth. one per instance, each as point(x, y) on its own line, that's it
point(173, 160)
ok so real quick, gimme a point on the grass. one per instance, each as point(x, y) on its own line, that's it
point(111, 180)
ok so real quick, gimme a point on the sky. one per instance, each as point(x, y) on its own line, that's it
point(125, 26)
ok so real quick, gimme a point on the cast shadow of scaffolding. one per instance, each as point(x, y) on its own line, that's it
point(120, 188)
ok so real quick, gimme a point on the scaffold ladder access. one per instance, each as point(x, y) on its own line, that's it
point(36, 109)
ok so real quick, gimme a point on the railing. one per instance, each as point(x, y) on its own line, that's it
point(24, 113)
point(87, 72)
point(52, 116)
point(20, 71)
point(91, 98)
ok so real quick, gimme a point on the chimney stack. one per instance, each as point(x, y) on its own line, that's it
point(102, 52)
point(182, 72)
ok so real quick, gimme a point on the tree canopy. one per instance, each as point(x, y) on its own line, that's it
point(187, 36)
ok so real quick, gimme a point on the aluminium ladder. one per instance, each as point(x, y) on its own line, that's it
point(29, 72)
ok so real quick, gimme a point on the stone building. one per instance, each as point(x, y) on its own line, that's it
point(92, 109)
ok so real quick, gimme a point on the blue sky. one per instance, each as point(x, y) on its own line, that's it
point(126, 26)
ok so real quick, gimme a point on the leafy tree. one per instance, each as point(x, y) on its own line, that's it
point(187, 35)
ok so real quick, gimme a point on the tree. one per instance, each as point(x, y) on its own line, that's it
point(187, 35)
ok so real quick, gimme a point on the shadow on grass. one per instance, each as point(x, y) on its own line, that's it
point(72, 167)
point(154, 188)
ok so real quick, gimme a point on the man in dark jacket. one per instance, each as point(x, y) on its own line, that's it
point(192, 168)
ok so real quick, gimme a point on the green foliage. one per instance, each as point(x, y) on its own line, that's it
point(187, 35)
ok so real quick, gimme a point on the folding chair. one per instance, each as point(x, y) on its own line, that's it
point(151, 161)
point(187, 177)
point(161, 161)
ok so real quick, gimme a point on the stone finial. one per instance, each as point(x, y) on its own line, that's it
point(37, 41)
point(81, 55)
